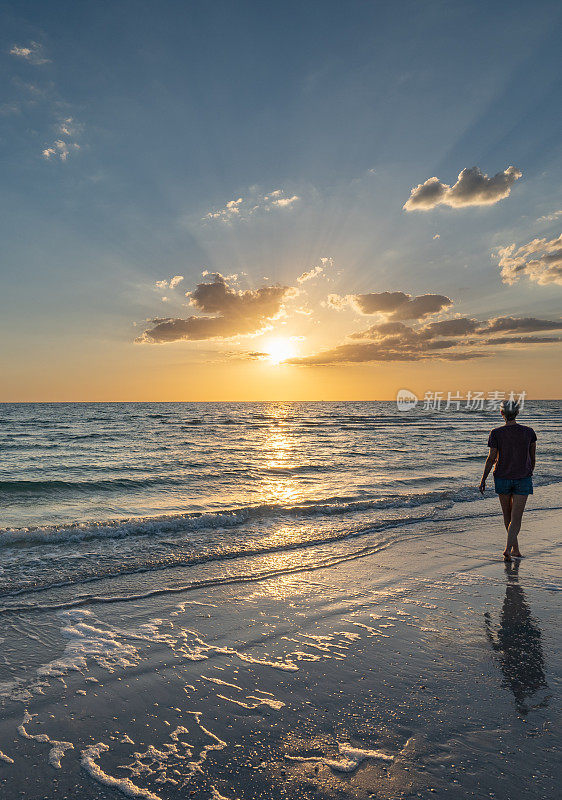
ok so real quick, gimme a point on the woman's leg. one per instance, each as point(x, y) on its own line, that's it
point(517, 509)
point(506, 501)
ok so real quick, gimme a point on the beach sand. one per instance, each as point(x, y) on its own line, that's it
point(427, 668)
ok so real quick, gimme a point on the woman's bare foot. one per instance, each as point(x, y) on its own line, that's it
point(517, 554)
point(506, 556)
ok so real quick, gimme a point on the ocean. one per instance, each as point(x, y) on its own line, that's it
point(106, 490)
point(232, 599)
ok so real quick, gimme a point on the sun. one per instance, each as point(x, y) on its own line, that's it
point(279, 350)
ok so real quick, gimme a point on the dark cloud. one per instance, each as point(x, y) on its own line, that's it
point(473, 188)
point(398, 305)
point(451, 339)
point(466, 355)
point(353, 353)
point(426, 195)
point(383, 329)
point(521, 324)
point(379, 302)
point(459, 326)
point(369, 352)
point(522, 340)
point(440, 344)
point(237, 313)
point(422, 306)
point(539, 261)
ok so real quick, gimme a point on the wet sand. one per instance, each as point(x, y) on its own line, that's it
point(425, 669)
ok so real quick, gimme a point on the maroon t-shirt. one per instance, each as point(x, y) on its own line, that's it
point(513, 443)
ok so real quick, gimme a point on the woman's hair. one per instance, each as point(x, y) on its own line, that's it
point(509, 409)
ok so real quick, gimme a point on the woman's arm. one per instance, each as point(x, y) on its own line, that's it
point(490, 461)
point(533, 454)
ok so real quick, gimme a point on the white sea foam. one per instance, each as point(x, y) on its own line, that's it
point(169, 761)
point(261, 701)
point(268, 701)
point(192, 646)
point(221, 683)
point(216, 795)
point(58, 748)
point(215, 744)
point(351, 757)
point(371, 631)
point(302, 655)
point(7, 759)
point(124, 785)
point(331, 644)
point(89, 640)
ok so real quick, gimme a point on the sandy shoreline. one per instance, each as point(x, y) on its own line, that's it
point(426, 669)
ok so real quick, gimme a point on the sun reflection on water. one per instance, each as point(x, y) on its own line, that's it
point(280, 459)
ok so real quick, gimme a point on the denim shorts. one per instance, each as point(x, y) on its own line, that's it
point(513, 485)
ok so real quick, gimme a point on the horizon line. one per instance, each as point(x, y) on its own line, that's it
point(124, 402)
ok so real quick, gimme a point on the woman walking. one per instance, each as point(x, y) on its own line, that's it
point(512, 450)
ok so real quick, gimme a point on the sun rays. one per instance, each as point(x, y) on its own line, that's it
point(279, 350)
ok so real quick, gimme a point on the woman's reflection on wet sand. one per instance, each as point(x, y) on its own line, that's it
point(518, 642)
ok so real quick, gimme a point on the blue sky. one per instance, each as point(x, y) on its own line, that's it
point(169, 110)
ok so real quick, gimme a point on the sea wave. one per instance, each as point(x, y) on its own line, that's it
point(229, 518)
point(42, 487)
point(391, 531)
point(237, 516)
point(223, 518)
point(196, 559)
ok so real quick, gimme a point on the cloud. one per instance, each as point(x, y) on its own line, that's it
point(33, 53)
point(551, 217)
point(540, 261)
point(236, 313)
point(65, 139)
point(426, 195)
point(473, 188)
point(316, 271)
point(313, 273)
point(337, 302)
point(173, 282)
point(382, 330)
point(244, 208)
point(398, 305)
point(523, 340)
point(283, 202)
point(458, 326)
point(454, 339)
point(521, 324)
point(230, 210)
point(373, 352)
point(62, 147)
